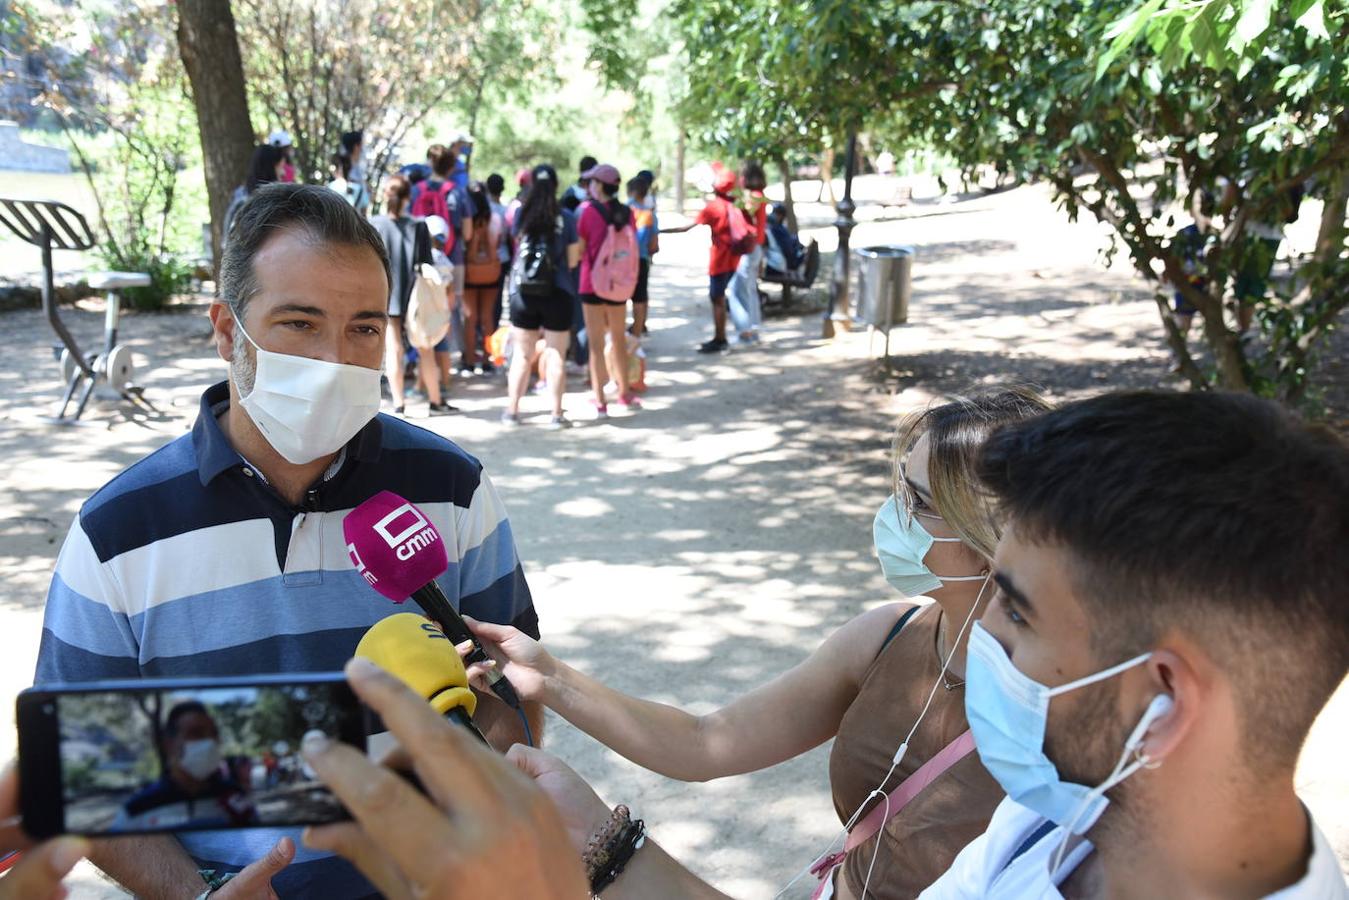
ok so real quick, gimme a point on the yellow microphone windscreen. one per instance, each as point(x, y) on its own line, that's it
point(415, 651)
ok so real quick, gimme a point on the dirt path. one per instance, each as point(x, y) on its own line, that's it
point(690, 551)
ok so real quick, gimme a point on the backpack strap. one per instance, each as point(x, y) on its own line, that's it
point(605, 213)
point(895, 629)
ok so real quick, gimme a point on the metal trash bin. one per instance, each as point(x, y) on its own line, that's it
point(884, 285)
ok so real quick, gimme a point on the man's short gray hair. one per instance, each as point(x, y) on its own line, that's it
point(324, 214)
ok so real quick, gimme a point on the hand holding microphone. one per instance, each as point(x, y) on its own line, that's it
point(516, 655)
point(415, 652)
point(400, 553)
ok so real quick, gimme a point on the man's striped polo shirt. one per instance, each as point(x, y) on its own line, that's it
point(189, 564)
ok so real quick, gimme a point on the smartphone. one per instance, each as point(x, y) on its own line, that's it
point(171, 754)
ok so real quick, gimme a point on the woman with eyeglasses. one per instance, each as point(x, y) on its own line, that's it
point(887, 686)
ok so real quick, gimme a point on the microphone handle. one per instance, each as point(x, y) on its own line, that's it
point(437, 606)
point(460, 716)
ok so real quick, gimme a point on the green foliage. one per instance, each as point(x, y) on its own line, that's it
point(1127, 109)
point(318, 70)
point(121, 102)
point(616, 49)
point(1219, 34)
point(170, 275)
point(1134, 139)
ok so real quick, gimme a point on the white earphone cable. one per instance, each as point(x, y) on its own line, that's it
point(898, 757)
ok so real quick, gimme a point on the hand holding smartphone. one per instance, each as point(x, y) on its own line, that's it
point(156, 755)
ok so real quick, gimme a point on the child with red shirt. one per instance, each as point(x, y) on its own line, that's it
point(723, 259)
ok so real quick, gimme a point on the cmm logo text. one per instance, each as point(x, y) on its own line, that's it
point(406, 531)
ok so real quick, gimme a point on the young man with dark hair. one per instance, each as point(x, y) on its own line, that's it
point(1157, 650)
point(222, 552)
point(1140, 685)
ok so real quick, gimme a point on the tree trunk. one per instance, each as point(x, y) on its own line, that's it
point(1330, 236)
point(209, 47)
point(787, 201)
point(827, 176)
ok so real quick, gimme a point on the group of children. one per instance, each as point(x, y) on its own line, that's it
point(457, 252)
point(453, 245)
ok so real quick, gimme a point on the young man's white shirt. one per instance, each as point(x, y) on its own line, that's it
point(1010, 861)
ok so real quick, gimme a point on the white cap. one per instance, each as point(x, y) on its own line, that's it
point(279, 138)
point(463, 138)
point(438, 227)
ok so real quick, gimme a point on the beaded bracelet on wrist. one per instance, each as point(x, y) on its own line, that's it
point(600, 849)
point(629, 842)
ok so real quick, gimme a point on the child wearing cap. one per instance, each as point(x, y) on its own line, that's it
point(281, 140)
point(604, 318)
point(722, 260)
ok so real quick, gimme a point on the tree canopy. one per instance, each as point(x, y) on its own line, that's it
point(1130, 110)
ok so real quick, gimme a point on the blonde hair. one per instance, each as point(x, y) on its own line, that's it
point(956, 428)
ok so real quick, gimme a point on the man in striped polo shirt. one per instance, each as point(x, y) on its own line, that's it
point(222, 553)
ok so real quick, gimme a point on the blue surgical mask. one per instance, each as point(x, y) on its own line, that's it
point(901, 544)
point(1007, 711)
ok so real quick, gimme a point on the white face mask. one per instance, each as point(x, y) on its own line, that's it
point(200, 758)
point(308, 408)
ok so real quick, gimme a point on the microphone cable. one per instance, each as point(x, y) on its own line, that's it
point(524, 720)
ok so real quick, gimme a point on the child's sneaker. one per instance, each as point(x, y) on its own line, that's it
point(557, 423)
point(629, 401)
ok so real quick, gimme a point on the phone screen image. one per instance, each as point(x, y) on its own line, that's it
point(175, 759)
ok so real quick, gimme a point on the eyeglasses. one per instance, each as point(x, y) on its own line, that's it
point(914, 504)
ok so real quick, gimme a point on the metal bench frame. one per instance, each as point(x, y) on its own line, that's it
point(789, 280)
point(49, 225)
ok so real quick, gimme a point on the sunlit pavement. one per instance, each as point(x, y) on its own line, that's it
point(694, 549)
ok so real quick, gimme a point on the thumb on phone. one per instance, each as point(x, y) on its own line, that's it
point(38, 875)
point(255, 880)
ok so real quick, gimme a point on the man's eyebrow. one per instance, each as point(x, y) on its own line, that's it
point(302, 309)
point(299, 308)
point(1012, 592)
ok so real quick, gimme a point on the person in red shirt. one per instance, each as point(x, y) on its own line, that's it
point(722, 260)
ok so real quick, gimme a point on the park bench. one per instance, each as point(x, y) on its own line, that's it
point(49, 226)
point(803, 277)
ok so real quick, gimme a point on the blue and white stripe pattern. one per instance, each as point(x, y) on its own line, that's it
point(189, 564)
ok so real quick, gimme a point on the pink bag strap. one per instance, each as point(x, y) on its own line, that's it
point(899, 798)
point(909, 788)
